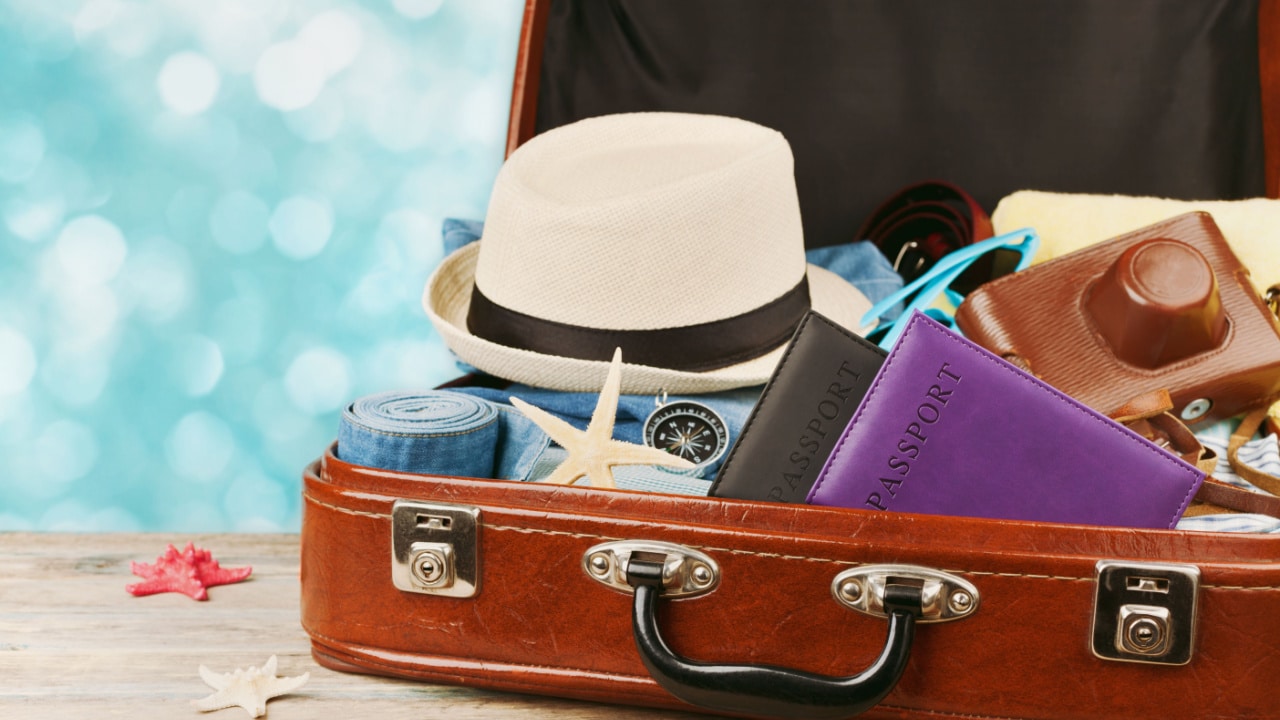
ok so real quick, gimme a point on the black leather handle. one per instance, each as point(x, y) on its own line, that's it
point(764, 690)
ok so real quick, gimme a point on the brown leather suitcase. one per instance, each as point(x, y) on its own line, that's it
point(766, 609)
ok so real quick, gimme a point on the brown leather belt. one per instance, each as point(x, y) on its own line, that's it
point(921, 223)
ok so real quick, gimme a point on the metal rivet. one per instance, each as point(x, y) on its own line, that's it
point(428, 567)
point(1196, 409)
point(851, 591)
point(702, 575)
point(961, 601)
point(600, 564)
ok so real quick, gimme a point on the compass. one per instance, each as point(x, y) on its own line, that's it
point(689, 430)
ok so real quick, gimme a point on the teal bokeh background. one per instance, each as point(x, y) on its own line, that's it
point(216, 221)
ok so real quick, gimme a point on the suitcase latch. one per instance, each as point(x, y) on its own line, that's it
point(685, 572)
point(1145, 612)
point(433, 548)
point(943, 596)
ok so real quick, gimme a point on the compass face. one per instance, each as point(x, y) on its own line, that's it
point(689, 430)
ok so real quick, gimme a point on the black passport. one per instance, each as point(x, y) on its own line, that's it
point(819, 383)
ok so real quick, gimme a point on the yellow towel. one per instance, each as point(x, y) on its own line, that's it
point(1067, 222)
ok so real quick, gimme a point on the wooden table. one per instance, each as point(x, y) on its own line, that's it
point(74, 644)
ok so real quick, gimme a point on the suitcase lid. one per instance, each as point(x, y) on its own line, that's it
point(1137, 98)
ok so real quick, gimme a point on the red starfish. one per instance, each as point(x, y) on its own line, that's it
point(189, 572)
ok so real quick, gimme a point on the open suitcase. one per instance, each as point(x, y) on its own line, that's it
point(744, 607)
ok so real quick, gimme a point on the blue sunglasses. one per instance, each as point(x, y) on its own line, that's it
point(932, 294)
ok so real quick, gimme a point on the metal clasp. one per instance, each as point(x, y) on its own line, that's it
point(944, 596)
point(434, 549)
point(685, 572)
point(1145, 612)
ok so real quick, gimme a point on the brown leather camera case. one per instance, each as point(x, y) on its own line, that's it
point(1167, 306)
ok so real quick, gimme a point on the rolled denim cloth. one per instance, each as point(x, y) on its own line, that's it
point(433, 432)
point(449, 432)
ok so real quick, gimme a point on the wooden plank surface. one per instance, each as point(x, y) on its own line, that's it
point(74, 644)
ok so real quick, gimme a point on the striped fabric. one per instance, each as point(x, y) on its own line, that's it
point(1260, 453)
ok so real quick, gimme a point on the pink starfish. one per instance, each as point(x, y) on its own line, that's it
point(189, 572)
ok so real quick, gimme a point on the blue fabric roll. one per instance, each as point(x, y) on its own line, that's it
point(433, 432)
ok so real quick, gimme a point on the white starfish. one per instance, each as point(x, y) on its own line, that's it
point(594, 452)
point(249, 689)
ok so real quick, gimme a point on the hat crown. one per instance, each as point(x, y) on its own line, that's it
point(644, 221)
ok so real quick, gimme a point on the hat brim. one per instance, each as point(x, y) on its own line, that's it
point(448, 297)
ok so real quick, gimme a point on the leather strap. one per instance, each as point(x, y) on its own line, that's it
point(1149, 415)
point(921, 223)
point(1249, 427)
point(1217, 497)
point(695, 348)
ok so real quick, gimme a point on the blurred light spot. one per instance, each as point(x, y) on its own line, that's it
point(16, 412)
point(188, 83)
point(21, 148)
point(199, 447)
point(133, 29)
point(254, 166)
point(195, 516)
point(275, 416)
point(33, 220)
point(10, 523)
point(91, 249)
point(417, 9)
point(197, 365)
point(188, 210)
point(320, 121)
point(318, 380)
point(112, 519)
point(375, 295)
point(409, 239)
point(158, 280)
point(63, 179)
point(66, 516)
point(75, 378)
point(300, 227)
point(46, 35)
point(238, 222)
point(212, 139)
point(411, 363)
point(481, 114)
point(256, 525)
point(86, 314)
point(238, 325)
point(232, 36)
point(396, 122)
point(334, 38)
point(17, 362)
point(94, 16)
point(66, 451)
point(254, 497)
point(289, 76)
point(71, 125)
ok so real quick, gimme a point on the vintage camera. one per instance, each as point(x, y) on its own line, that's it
point(1167, 306)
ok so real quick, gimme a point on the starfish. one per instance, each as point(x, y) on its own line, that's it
point(594, 452)
point(249, 689)
point(189, 572)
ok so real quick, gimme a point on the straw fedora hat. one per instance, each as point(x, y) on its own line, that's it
point(674, 236)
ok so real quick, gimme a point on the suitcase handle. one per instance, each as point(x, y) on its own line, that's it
point(763, 689)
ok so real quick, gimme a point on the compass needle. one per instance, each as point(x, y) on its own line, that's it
point(687, 429)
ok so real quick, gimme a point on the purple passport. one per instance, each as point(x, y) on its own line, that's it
point(947, 428)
